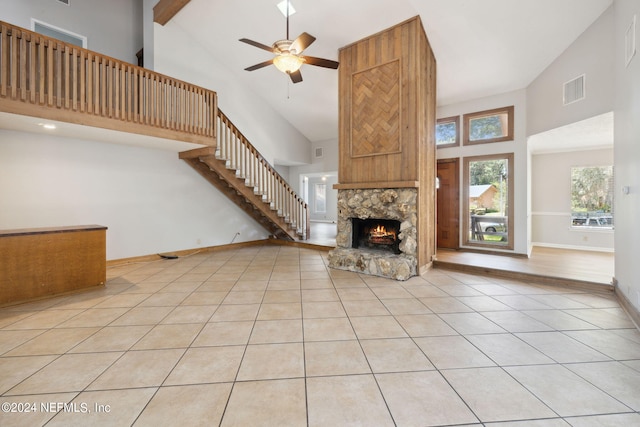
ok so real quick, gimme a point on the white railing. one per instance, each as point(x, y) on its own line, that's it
point(240, 155)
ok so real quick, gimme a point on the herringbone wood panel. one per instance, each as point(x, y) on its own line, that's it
point(375, 114)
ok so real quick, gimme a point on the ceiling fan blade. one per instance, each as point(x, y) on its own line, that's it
point(260, 65)
point(296, 76)
point(321, 62)
point(303, 41)
point(258, 45)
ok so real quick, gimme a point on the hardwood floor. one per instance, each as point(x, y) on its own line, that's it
point(552, 265)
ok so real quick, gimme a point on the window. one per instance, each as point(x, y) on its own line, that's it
point(320, 198)
point(58, 33)
point(488, 201)
point(447, 134)
point(488, 126)
point(592, 196)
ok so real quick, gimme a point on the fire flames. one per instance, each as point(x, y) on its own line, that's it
point(380, 235)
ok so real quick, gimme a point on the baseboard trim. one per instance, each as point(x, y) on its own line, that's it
point(631, 310)
point(186, 252)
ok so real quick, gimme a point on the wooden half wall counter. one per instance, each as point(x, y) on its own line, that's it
point(42, 262)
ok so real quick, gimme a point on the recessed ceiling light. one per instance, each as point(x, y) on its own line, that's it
point(283, 8)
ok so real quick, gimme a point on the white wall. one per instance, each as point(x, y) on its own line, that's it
point(151, 201)
point(327, 163)
point(113, 27)
point(627, 153)
point(148, 26)
point(278, 141)
point(518, 147)
point(551, 201)
point(591, 54)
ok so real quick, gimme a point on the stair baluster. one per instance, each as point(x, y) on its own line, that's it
point(267, 185)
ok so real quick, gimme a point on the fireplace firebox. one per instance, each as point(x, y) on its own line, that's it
point(376, 234)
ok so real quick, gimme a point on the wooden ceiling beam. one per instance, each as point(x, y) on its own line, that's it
point(164, 10)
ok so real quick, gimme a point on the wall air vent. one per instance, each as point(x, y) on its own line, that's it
point(574, 90)
point(319, 152)
point(64, 2)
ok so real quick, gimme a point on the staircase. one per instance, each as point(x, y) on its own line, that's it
point(238, 170)
point(47, 78)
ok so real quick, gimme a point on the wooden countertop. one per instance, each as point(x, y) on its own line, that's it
point(48, 230)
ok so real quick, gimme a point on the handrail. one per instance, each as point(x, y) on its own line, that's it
point(48, 78)
point(241, 155)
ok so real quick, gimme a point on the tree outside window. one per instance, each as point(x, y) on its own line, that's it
point(592, 192)
point(447, 134)
point(488, 126)
point(488, 199)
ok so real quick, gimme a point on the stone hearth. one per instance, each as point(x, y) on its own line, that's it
point(398, 204)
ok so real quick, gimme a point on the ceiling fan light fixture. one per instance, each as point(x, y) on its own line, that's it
point(282, 6)
point(288, 63)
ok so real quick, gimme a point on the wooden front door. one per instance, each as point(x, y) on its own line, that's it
point(448, 204)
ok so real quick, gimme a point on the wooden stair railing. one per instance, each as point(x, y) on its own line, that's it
point(47, 78)
point(237, 164)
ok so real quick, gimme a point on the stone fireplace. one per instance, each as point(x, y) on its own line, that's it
point(387, 166)
point(362, 246)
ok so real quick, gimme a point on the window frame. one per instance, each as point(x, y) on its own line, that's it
point(466, 219)
point(445, 120)
point(467, 118)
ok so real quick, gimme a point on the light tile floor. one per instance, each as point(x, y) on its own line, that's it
point(270, 336)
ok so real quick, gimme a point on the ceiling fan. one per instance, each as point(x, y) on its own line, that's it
point(288, 52)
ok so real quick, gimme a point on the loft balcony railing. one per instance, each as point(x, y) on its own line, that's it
point(47, 78)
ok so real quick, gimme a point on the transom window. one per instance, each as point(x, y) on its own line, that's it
point(447, 132)
point(58, 33)
point(488, 126)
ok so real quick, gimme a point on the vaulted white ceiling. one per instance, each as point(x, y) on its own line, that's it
point(482, 47)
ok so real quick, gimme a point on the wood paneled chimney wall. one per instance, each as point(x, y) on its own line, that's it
point(387, 93)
